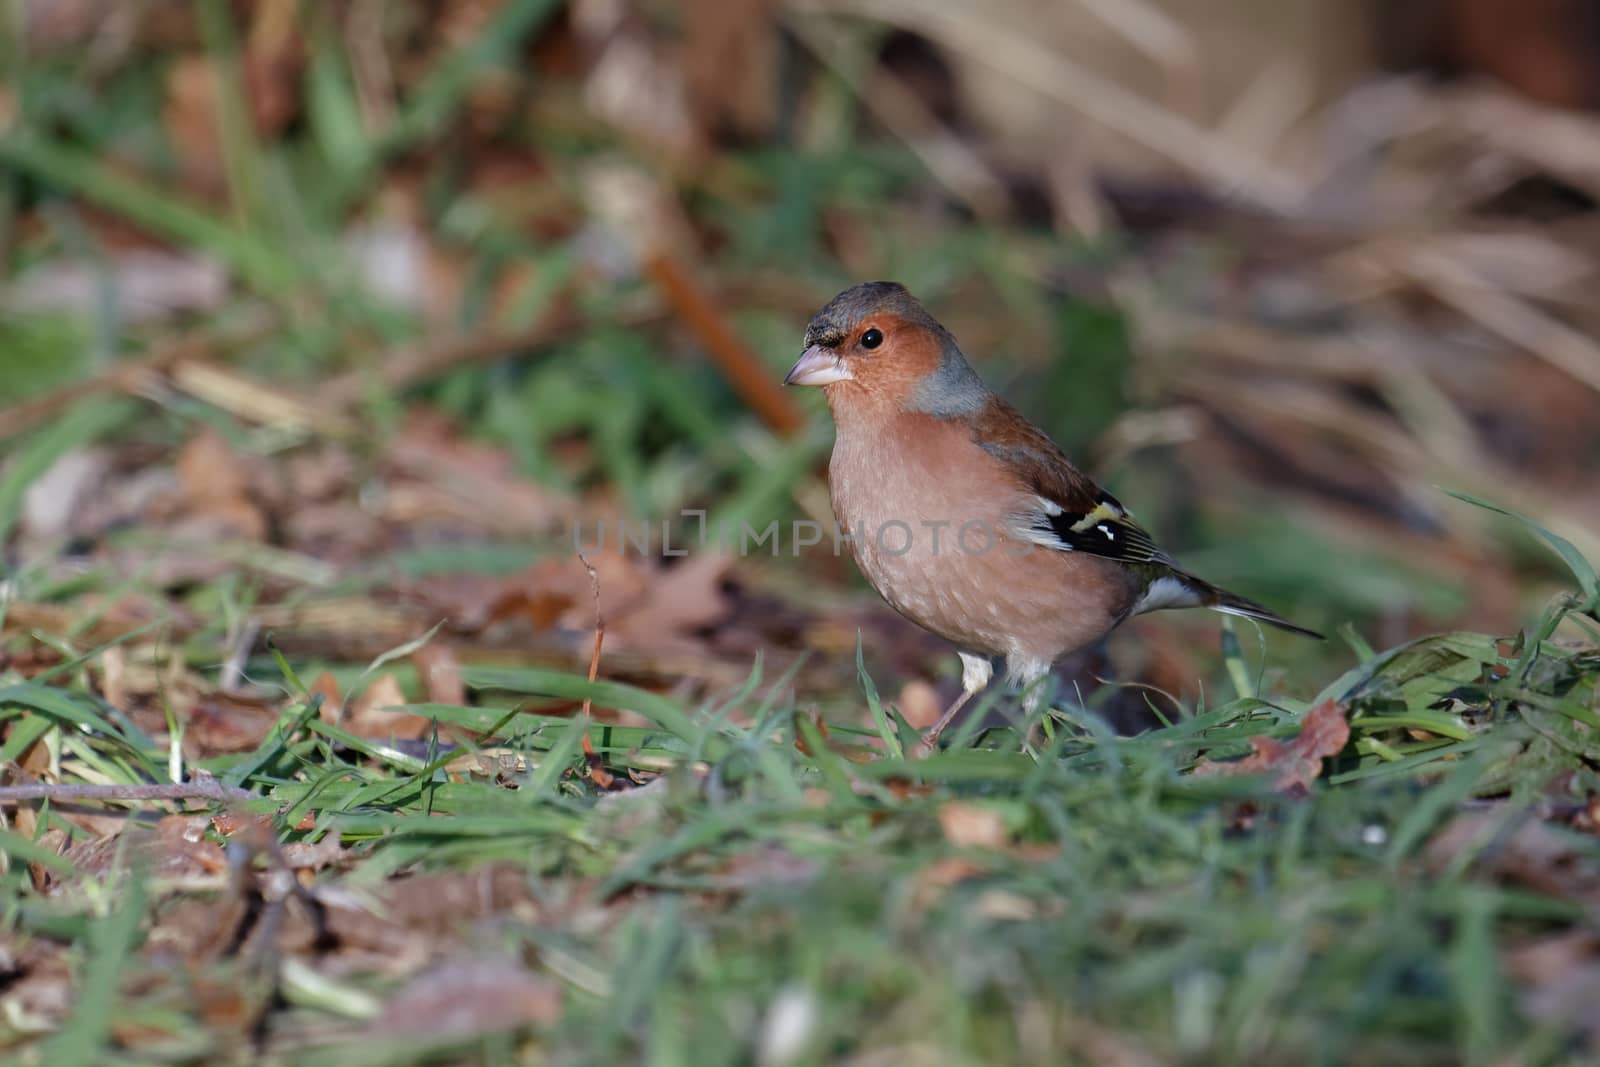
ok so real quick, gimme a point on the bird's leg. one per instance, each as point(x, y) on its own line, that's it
point(1026, 677)
point(975, 674)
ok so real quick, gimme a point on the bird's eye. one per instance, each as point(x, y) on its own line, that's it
point(872, 338)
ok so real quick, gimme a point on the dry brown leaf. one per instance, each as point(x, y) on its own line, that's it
point(972, 826)
point(1562, 976)
point(175, 848)
point(114, 676)
point(946, 872)
point(314, 856)
point(1291, 765)
point(210, 470)
point(802, 745)
point(326, 686)
point(931, 883)
point(367, 719)
point(624, 581)
point(771, 865)
point(919, 703)
point(676, 600)
point(454, 480)
point(54, 839)
point(226, 722)
point(320, 474)
point(1526, 851)
point(440, 672)
point(216, 486)
point(1555, 958)
point(468, 998)
point(190, 117)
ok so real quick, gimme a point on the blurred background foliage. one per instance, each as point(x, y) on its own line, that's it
point(1274, 270)
point(326, 323)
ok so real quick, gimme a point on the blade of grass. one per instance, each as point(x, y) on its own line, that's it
point(560, 756)
point(1582, 570)
point(111, 939)
point(886, 730)
point(542, 682)
point(260, 265)
point(18, 847)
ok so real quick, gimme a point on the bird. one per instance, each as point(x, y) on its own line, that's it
point(964, 516)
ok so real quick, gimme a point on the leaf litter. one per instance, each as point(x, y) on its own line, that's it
point(405, 871)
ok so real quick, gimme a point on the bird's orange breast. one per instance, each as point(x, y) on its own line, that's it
point(927, 512)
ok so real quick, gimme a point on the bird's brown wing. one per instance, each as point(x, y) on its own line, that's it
point(1073, 513)
point(1070, 513)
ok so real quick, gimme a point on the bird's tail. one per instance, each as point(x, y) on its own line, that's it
point(1201, 593)
point(1234, 604)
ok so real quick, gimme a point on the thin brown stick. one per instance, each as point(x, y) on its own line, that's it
point(200, 789)
point(432, 357)
point(127, 375)
point(597, 772)
point(750, 378)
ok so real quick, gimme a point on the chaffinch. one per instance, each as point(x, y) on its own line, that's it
point(964, 516)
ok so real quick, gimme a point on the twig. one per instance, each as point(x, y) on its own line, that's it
point(127, 375)
point(432, 357)
point(948, 159)
point(750, 378)
point(199, 789)
point(970, 31)
point(1508, 315)
point(597, 772)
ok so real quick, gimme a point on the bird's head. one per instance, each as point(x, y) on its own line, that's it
point(875, 342)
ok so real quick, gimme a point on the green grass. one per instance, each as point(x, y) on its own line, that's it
point(780, 873)
point(1122, 901)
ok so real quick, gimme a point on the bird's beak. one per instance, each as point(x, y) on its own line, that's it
point(817, 366)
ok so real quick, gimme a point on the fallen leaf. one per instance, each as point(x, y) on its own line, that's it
point(929, 885)
point(226, 722)
point(972, 826)
point(946, 872)
point(462, 483)
point(919, 704)
point(771, 865)
point(114, 677)
point(216, 486)
point(314, 856)
point(176, 847)
point(468, 998)
point(905, 789)
point(1554, 959)
point(1291, 765)
point(676, 600)
point(440, 672)
point(326, 686)
point(190, 117)
point(802, 745)
point(367, 719)
point(1528, 852)
point(1561, 974)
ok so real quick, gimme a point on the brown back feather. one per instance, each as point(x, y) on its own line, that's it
point(1039, 462)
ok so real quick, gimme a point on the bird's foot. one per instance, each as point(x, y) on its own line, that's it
point(930, 740)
